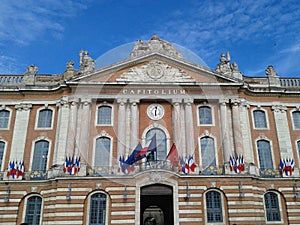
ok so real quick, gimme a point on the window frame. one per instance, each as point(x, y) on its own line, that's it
point(292, 118)
point(33, 149)
point(200, 150)
point(271, 153)
point(266, 119)
point(223, 222)
point(212, 115)
point(111, 115)
point(9, 118)
point(26, 204)
point(103, 135)
point(279, 208)
point(4, 154)
point(38, 116)
point(88, 213)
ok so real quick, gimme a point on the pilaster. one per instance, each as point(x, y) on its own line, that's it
point(72, 128)
point(237, 133)
point(225, 130)
point(121, 126)
point(134, 122)
point(189, 127)
point(20, 131)
point(283, 132)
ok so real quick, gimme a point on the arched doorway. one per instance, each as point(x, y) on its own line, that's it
point(157, 205)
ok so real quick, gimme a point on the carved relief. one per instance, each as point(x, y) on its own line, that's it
point(156, 71)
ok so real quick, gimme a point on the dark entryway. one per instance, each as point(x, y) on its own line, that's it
point(157, 205)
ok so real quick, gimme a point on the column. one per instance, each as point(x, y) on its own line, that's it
point(134, 123)
point(127, 129)
point(20, 131)
point(176, 117)
point(121, 126)
point(283, 132)
point(189, 127)
point(236, 127)
point(72, 128)
point(246, 133)
point(224, 130)
point(61, 131)
point(84, 128)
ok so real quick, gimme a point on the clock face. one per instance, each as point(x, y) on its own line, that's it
point(155, 111)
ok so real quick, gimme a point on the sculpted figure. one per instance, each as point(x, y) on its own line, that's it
point(87, 64)
point(29, 76)
point(270, 71)
point(223, 66)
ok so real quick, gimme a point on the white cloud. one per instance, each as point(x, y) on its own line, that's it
point(25, 21)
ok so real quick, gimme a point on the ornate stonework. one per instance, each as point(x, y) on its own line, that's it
point(155, 44)
point(155, 71)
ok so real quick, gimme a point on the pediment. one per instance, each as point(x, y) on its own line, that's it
point(155, 68)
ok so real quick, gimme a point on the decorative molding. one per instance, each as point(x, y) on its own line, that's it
point(155, 71)
point(279, 108)
point(23, 106)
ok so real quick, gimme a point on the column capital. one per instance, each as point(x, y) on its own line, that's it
point(23, 106)
point(121, 101)
point(279, 108)
point(62, 102)
point(235, 101)
point(134, 101)
point(188, 101)
point(223, 101)
point(176, 101)
point(86, 101)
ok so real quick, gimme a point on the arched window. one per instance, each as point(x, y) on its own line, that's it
point(33, 210)
point(205, 115)
point(208, 154)
point(97, 209)
point(4, 118)
point(264, 154)
point(260, 120)
point(102, 151)
point(45, 118)
point(296, 119)
point(2, 146)
point(104, 116)
point(214, 207)
point(272, 207)
point(161, 143)
point(40, 156)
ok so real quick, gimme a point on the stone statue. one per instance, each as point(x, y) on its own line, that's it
point(224, 66)
point(87, 64)
point(272, 76)
point(270, 71)
point(70, 71)
point(30, 74)
point(236, 73)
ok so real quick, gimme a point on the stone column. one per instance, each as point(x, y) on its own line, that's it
point(61, 131)
point(127, 129)
point(20, 132)
point(72, 127)
point(121, 126)
point(189, 127)
point(177, 134)
point(283, 132)
point(236, 126)
point(84, 128)
point(134, 123)
point(224, 130)
point(246, 133)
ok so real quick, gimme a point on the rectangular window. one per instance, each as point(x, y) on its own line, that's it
point(272, 207)
point(205, 115)
point(260, 120)
point(208, 155)
point(296, 119)
point(104, 115)
point(4, 118)
point(45, 118)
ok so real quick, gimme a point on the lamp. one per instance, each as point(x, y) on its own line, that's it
point(68, 195)
point(241, 190)
point(6, 196)
point(188, 195)
point(125, 193)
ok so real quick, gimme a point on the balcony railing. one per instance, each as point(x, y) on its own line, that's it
point(290, 82)
point(108, 171)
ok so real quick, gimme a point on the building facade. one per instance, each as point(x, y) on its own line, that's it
point(226, 147)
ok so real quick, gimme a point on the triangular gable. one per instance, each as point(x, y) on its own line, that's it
point(155, 68)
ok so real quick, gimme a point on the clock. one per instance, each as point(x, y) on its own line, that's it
point(155, 111)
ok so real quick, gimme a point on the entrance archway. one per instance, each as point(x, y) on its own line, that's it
point(157, 205)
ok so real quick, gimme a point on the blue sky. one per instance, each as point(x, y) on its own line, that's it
point(48, 33)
